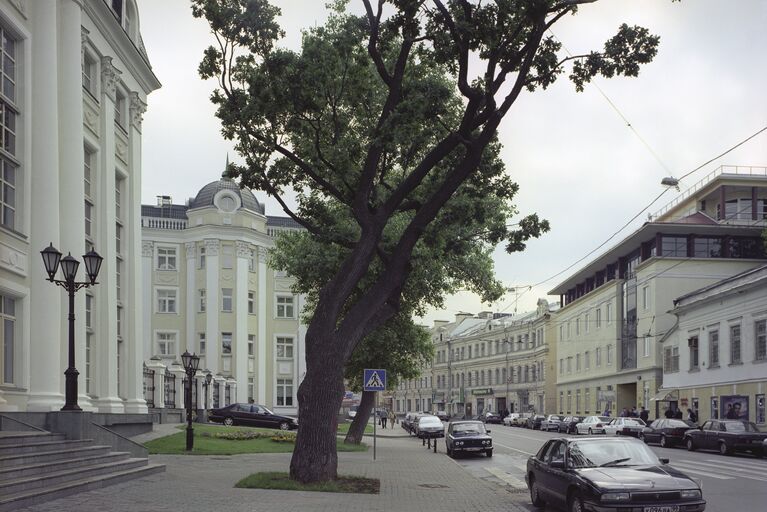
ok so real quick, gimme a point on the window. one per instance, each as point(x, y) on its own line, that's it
point(118, 277)
point(645, 297)
point(251, 303)
point(8, 115)
point(735, 344)
point(251, 260)
point(577, 362)
point(608, 313)
point(226, 300)
point(201, 345)
point(599, 318)
point(692, 344)
point(227, 256)
point(577, 401)
point(285, 392)
point(707, 247)
point(760, 416)
point(251, 344)
point(760, 327)
point(88, 360)
point(166, 301)
point(201, 300)
point(647, 346)
point(226, 342)
point(598, 357)
point(284, 307)
point(586, 360)
point(713, 348)
point(87, 186)
point(609, 355)
point(118, 237)
point(671, 359)
point(284, 347)
point(561, 402)
point(586, 323)
point(587, 400)
point(674, 246)
point(715, 407)
point(166, 344)
point(577, 326)
point(201, 257)
point(166, 258)
point(569, 365)
point(561, 332)
point(118, 196)
point(89, 74)
point(88, 310)
point(120, 108)
point(561, 366)
point(7, 337)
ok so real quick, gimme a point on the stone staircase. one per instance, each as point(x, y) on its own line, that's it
point(40, 466)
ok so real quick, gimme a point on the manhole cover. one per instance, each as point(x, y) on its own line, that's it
point(433, 486)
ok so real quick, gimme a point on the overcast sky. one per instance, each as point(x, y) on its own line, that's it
point(577, 162)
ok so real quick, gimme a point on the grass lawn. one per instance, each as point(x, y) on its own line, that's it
point(176, 443)
point(343, 428)
point(281, 481)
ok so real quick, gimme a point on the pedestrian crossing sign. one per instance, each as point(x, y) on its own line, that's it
point(373, 380)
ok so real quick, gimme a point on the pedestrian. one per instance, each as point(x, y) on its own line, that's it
point(607, 412)
point(669, 413)
point(644, 415)
point(624, 413)
point(692, 415)
point(384, 417)
point(392, 418)
point(678, 414)
point(633, 413)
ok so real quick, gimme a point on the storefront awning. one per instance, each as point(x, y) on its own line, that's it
point(666, 395)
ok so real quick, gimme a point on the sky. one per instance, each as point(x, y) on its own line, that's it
point(588, 162)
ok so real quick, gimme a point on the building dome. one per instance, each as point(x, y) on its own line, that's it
point(226, 195)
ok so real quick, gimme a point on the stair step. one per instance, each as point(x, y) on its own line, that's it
point(33, 447)
point(24, 459)
point(22, 438)
point(32, 497)
point(29, 483)
point(7, 473)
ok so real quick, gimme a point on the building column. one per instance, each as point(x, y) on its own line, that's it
point(212, 309)
point(135, 274)
point(147, 260)
point(191, 296)
point(46, 382)
point(106, 337)
point(262, 341)
point(240, 351)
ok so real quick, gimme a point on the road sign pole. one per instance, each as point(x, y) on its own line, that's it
point(375, 406)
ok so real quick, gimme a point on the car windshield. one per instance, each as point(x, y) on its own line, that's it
point(429, 420)
point(678, 424)
point(465, 429)
point(634, 422)
point(554, 418)
point(741, 426)
point(264, 410)
point(614, 453)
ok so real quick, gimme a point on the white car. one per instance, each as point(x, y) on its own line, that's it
point(592, 425)
point(624, 426)
point(509, 420)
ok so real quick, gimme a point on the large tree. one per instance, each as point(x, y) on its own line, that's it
point(382, 118)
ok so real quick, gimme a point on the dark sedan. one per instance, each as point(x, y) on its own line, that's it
point(492, 417)
point(666, 432)
point(727, 436)
point(567, 425)
point(608, 475)
point(534, 421)
point(252, 415)
point(468, 437)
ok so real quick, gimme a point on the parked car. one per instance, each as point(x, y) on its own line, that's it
point(413, 425)
point(521, 420)
point(492, 417)
point(727, 436)
point(592, 425)
point(353, 411)
point(509, 419)
point(468, 436)
point(625, 427)
point(252, 415)
point(608, 474)
point(567, 425)
point(407, 421)
point(551, 422)
point(534, 421)
point(442, 415)
point(429, 427)
point(666, 432)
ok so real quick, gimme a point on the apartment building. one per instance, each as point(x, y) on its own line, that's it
point(616, 308)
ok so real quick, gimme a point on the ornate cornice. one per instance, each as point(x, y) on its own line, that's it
point(137, 109)
point(147, 249)
point(263, 252)
point(243, 249)
point(109, 75)
point(191, 250)
point(211, 247)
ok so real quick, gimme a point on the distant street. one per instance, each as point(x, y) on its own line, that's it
point(736, 482)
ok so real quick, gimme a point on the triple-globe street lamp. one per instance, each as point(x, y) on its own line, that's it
point(52, 260)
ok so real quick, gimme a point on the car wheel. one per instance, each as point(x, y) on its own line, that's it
point(591, 432)
point(575, 504)
point(535, 495)
point(228, 422)
point(690, 445)
point(723, 449)
point(664, 443)
point(284, 426)
point(489, 453)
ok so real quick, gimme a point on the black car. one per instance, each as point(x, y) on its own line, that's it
point(567, 426)
point(727, 436)
point(534, 421)
point(252, 415)
point(442, 415)
point(469, 437)
point(492, 417)
point(667, 432)
point(612, 474)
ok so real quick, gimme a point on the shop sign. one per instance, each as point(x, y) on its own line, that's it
point(482, 391)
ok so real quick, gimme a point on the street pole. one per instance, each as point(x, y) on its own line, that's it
point(375, 406)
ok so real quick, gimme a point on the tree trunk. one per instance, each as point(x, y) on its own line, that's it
point(357, 428)
point(319, 398)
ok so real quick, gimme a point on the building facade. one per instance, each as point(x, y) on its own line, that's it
point(616, 308)
point(75, 80)
point(485, 363)
point(715, 359)
point(209, 290)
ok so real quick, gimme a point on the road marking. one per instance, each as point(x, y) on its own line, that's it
point(751, 462)
point(542, 439)
point(505, 477)
point(686, 469)
point(510, 448)
point(741, 472)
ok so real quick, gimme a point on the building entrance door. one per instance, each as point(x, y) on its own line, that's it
point(468, 411)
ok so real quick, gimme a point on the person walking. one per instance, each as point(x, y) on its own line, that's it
point(392, 418)
point(384, 417)
point(644, 415)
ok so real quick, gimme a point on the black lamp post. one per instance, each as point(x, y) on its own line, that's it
point(208, 378)
point(52, 260)
point(191, 362)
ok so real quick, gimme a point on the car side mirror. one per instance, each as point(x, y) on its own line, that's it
point(557, 464)
point(664, 460)
point(488, 431)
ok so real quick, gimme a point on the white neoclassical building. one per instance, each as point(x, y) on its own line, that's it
point(208, 290)
point(75, 77)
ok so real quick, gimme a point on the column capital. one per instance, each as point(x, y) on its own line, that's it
point(137, 109)
point(109, 76)
point(147, 249)
point(263, 252)
point(211, 247)
point(243, 249)
point(191, 250)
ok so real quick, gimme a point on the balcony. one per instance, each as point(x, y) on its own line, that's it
point(163, 223)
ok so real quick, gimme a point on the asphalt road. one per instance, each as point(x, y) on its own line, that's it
point(730, 483)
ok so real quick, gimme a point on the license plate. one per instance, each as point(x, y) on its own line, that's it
point(671, 508)
point(473, 449)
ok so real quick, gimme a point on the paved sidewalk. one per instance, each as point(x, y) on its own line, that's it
point(412, 478)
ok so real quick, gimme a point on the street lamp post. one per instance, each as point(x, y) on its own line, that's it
point(52, 260)
point(208, 378)
point(191, 363)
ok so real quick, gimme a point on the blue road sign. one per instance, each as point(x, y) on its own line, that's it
point(374, 380)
